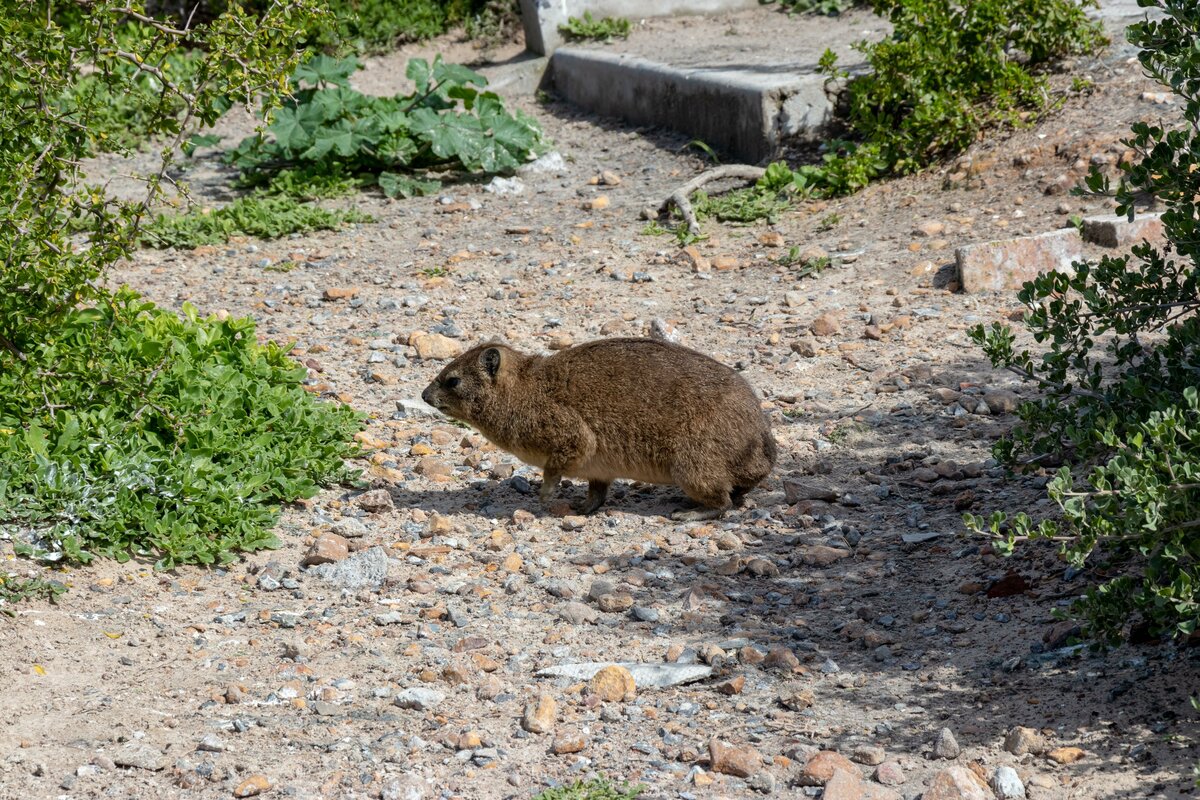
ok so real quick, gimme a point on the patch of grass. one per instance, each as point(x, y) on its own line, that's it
point(600, 788)
point(257, 215)
point(312, 182)
point(435, 272)
point(653, 228)
point(829, 222)
point(804, 266)
point(588, 28)
point(742, 205)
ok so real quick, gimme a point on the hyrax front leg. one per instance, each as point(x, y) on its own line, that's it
point(550, 481)
point(597, 492)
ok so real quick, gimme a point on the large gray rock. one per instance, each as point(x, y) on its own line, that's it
point(657, 676)
point(1005, 264)
point(367, 568)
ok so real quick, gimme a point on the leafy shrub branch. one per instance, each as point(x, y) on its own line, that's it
point(1120, 371)
point(124, 429)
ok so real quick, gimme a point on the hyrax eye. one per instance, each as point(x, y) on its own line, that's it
point(452, 383)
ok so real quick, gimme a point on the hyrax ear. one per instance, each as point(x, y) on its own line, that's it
point(491, 361)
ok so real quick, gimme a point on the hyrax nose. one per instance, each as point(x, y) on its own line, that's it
point(427, 395)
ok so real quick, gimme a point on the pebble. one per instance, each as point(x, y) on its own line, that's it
point(795, 696)
point(826, 324)
point(328, 548)
point(945, 745)
point(419, 698)
point(140, 755)
point(577, 613)
point(889, 773)
point(253, 786)
point(1065, 755)
point(821, 555)
point(375, 501)
point(211, 743)
point(1006, 783)
point(613, 684)
point(868, 754)
point(1021, 741)
point(541, 715)
point(729, 759)
point(957, 783)
point(434, 346)
point(566, 743)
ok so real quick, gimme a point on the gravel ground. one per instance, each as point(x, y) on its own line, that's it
point(843, 609)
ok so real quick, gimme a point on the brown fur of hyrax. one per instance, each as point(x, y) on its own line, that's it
point(640, 409)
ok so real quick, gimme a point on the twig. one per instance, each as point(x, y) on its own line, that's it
point(680, 196)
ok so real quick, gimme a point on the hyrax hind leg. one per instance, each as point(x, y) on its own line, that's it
point(711, 495)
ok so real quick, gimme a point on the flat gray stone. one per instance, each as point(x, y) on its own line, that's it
point(142, 756)
point(1111, 230)
point(656, 676)
point(1006, 264)
point(419, 698)
point(367, 568)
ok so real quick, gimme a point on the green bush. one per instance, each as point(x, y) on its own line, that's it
point(448, 124)
point(589, 29)
point(949, 71)
point(125, 430)
point(1120, 375)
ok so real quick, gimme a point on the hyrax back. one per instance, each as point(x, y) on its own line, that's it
point(616, 408)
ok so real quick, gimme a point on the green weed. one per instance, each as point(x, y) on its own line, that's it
point(450, 123)
point(258, 215)
point(588, 28)
point(595, 789)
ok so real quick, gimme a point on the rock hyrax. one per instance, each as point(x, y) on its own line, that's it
point(616, 408)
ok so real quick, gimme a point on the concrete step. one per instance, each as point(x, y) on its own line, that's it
point(743, 83)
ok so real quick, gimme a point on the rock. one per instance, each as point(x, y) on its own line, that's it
point(540, 715)
point(408, 787)
point(762, 568)
point(1060, 633)
point(821, 766)
point(142, 756)
point(564, 744)
point(415, 408)
point(1065, 755)
point(868, 754)
point(597, 203)
point(724, 263)
point(820, 555)
point(663, 331)
point(729, 759)
point(812, 253)
point(781, 658)
point(328, 548)
point(957, 783)
point(692, 258)
point(1006, 783)
point(728, 540)
point(762, 781)
point(1006, 264)
point(645, 676)
point(211, 743)
point(419, 698)
point(1112, 230)
point(732, 686)
point(826, 324)
point(252, 786)
point(793, 299)
point(578, 613)
point(434, 346)
point(615, 603)
point(1001, 401)
point(795, 696)
point(1013, 583)
point(929, 229)
point(613, 684)
point(366, 568)
point(560, 341)
point(805, 348)
point(340, 292)
point(512, 562)
point(1020, 741)
point(610, 178)
point(795, 490)
point(771, 239)
point(375, 501)
point(889, 774)
point(945, 745)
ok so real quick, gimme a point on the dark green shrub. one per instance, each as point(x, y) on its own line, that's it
point(1120, 373)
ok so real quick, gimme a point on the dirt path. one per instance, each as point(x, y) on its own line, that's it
point(861, 624)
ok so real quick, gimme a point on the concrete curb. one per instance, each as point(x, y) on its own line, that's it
point(745, 114)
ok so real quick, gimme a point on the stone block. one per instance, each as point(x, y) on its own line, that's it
point(1006, 264)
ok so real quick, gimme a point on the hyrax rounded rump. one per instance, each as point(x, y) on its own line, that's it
point(616, 408)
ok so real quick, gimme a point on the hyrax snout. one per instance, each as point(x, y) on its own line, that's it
point(640, 409)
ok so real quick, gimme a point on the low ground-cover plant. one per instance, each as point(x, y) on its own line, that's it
point(125, 430)
point(600, 788)
point(829, 8)
point(590, 29)
point(449, 124)
point(1120, 373)
point(265, 216)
